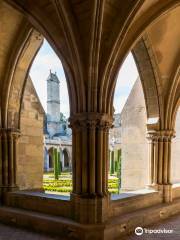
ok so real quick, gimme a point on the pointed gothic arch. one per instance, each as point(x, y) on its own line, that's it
point(66, 158)
point(92, 46)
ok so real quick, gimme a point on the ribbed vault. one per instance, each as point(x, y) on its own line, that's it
point(92, 39)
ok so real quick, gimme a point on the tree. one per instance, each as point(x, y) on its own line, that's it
point(119, 169)
point(56, 164)
point(112, 163)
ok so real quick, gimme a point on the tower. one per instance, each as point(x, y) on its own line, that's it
point(53, 104)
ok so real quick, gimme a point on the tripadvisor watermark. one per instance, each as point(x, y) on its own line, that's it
point(139, 231)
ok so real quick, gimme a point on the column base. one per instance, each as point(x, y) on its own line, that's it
point(152, 186)
point(4, 190)
point(90, 209)
point(166, 190)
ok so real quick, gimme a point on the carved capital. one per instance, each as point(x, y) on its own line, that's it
point(91, 120)
point(161, 135)
point(10, 133)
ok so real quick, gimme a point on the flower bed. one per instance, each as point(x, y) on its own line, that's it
point(64, 184)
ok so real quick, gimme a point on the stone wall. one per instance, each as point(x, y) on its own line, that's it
point(134, 168)
point(68, 150)
point(62, 147)
point(30, 149)
point(176, 152)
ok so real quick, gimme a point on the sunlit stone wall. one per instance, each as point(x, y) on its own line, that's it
point(134, 169)
point(30, 149)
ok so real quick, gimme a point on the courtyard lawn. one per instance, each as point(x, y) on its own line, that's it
point(63, 185)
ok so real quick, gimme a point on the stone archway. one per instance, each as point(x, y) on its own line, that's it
point(51, 163)
point(140, 114)
point(149, 83)
point(66, 159)
point(32, 42)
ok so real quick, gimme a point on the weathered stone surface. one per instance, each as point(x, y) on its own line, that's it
point(30, 149)
point(134, 144)
point(134, 170)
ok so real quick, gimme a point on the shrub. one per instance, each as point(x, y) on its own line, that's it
point(113, 190)
point(57, 189)
point(64, 184)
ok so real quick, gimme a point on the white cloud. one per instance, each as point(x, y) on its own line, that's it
point(126, 79)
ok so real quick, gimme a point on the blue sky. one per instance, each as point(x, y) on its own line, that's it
point(46, 59)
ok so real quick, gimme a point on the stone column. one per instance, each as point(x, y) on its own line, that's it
point(160, 162)
point(8, 159)
point(90, 166)
point(152, 143)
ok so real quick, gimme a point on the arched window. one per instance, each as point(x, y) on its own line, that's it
point(51, 165)
point(43, 116)
point(66, 158)
point(127, 140)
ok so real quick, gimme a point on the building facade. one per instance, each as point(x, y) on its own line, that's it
point(31, 143)
point(130, 135)
point(57, 134)
point(134, 159)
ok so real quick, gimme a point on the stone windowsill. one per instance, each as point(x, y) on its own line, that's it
point(131, 194)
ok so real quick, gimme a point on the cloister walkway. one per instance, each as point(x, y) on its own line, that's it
point(173, 223)
point(13, 233)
